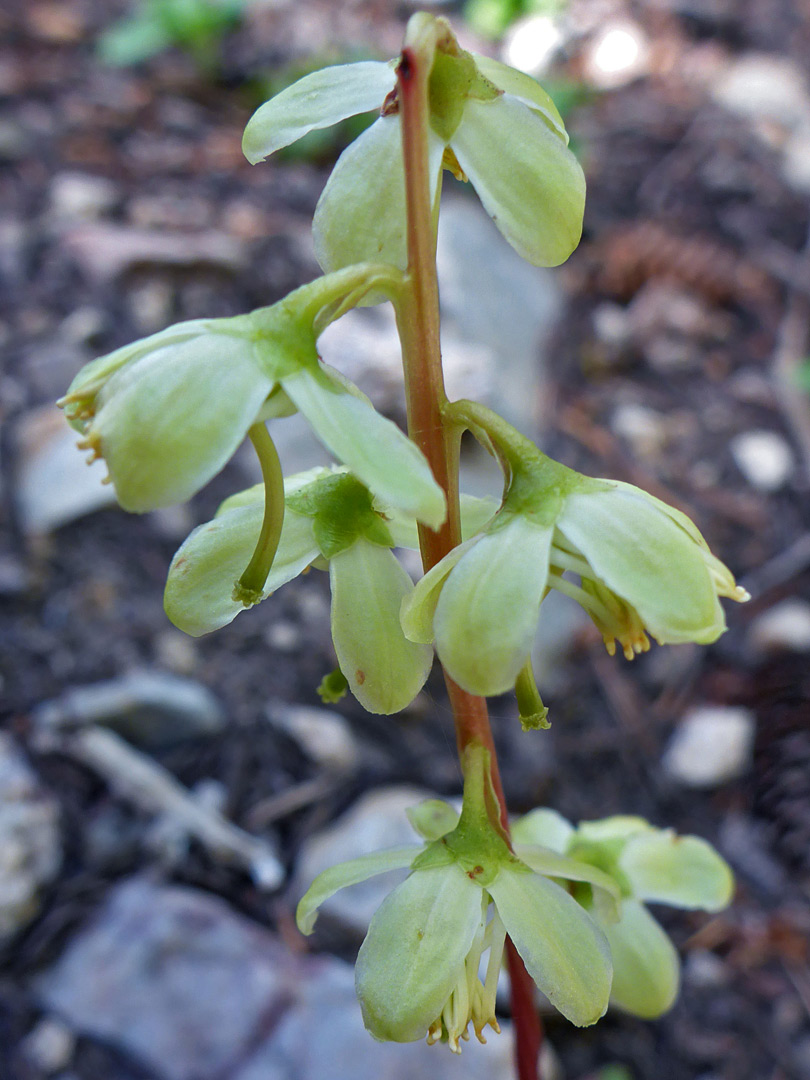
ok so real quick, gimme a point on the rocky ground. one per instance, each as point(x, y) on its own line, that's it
point(164, 801)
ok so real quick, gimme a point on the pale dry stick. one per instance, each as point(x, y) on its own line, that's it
point(147, 785)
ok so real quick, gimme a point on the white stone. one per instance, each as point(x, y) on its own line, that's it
point(49, 1046)
point(81, 196)
point(376, 821)
point(786, 626)
point(765, 87)
point(712, 745)
point(764, 458)
point(324, 735)
point(642, 427)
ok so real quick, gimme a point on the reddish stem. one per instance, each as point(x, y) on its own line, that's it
point(418, 323)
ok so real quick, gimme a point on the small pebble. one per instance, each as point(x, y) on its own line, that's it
point(323, 735)
point(764, 458)
point(49, 1046)
point(712, 745)
point(784, 628)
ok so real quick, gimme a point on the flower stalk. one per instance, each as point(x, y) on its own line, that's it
point(418, 322)
point(248, 590)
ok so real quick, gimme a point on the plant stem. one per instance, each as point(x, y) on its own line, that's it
point(251, 584)
point(418, 324)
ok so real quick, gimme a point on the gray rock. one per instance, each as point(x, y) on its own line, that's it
point(493, 299)
point(174, 977)
point(55, 484)
point(324, 735)
point(712, 745)
point(764, 458)
point(30, 845)
point(784, 627)
point(764, 87)
point(376, 821)
point(149, 708)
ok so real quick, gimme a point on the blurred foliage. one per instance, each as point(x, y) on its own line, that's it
point(195, 26)
point(615, 1072)
point(803, 375)
point(492, 17)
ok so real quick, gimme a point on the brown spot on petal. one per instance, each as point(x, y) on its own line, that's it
point(359, 677)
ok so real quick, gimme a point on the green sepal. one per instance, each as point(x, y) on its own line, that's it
point(432, 818)
point(342, 511)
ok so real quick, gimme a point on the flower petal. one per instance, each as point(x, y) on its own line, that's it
point(648, 560)
point(360, 215)
point(384, 670)
point(415, 950)
point(551, 864)
point(169, 422)
point(545, 827)
point(343, 875)
point(379, 454)
point(199, 587)
point(419, 608)
point(646, 970)
point(683, 871)
point(487, 612)
point(563, 949)
point(317, 101)
point(526, 89)
point(530, 183)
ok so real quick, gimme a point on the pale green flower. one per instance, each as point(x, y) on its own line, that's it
point(643, 567)
point(418, 969)
point(329, 518)
point(167, 412)
point(489, 123)
point(647, 865)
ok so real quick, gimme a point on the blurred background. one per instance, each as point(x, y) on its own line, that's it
point(165, 801)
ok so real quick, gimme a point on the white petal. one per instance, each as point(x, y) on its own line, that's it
point(199, 588)
point(563, 949)
point(530, 183)
point(360, 216)
point(343, 875)
point(646, 971)
point(317, 101)
point(379, 454)
point(683, 871)
point(526, 89)
point(487, 612)
point(384, 670)
point(420, 607)
point(170, 421)
point(415, 951)
point(545, 827)
point(647, 559)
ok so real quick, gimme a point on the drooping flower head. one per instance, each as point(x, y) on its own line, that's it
point(489, 124)
point(643, 567)
point(648, 865)
point(418, 969)
point(167, 412)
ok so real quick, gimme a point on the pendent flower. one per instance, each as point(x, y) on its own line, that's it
point(643, 567)
point(331, 521)
point(418, 969)
point(648, 865)
point(489, 124)
point(167, 412)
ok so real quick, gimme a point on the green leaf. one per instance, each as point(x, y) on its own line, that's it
point(384, 670)
point(563, 949)
point(415, 950)
point(531, 185)
point(343, 875)
point(646, 971)
point(683, 871)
